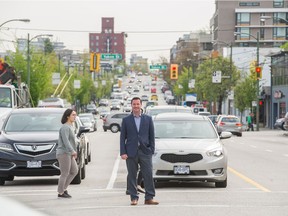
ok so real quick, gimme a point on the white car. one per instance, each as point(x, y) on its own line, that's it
point(188, 148)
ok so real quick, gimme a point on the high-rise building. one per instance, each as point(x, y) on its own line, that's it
point(248, 18)
point(107, 41)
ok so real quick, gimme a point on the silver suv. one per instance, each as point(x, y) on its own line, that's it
point(113, 121)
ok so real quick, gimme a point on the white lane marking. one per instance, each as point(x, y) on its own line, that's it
point(285, 155)
point(114, 174)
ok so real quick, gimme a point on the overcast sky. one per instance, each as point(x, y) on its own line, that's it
point(153, 26)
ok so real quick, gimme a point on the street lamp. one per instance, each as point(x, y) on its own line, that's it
point(257, 65)
point(28, 54)
point(12, 20)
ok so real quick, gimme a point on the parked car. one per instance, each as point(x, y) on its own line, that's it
point(113, 121)
point(153, 90)
point(229, 123)
point(28, 142)
point(87, 148)
point(92, 119)
point(188, 148)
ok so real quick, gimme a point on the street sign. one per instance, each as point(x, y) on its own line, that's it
point(191, 83)
point(216, 78)
point(77, 84)
point(108, 56)
point(160, 67)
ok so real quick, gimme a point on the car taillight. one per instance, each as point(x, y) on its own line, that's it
point(222, 123)
point(239, 124)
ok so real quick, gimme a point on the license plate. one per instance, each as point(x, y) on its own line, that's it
point(181, 170)
point(34, 164)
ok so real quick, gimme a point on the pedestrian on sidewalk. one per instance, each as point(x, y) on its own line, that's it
point(250, 122)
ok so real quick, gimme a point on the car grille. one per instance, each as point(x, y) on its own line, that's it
point(174, 158)
point(34, 149)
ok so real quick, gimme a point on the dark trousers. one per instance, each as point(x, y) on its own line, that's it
point(145, 162)
point(250, 125)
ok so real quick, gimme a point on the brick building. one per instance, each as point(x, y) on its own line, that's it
point(107, 41)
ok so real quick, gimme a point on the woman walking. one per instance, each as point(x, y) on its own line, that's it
point(66, 153)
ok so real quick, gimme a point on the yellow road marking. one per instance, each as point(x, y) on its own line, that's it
point(245, 178)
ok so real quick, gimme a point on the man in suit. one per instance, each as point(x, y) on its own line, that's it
point(137, 145)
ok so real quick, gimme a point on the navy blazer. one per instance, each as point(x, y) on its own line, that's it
point(130, 137)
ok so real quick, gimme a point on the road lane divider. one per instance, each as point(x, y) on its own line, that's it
point(114, 173)
point(250, 181)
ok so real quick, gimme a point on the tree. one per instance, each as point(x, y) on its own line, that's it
point(244, 94)
point(206, 90)
point(245, 91)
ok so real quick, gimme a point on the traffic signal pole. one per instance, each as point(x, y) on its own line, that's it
point(257, 89)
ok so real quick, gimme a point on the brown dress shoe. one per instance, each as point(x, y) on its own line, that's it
point(151, 202)
point(134, 202)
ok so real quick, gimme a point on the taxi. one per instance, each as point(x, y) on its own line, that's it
point(154, 97)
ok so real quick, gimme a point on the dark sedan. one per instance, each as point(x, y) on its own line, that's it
point(28, 141)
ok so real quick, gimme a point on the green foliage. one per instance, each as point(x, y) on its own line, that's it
point(284, 46)
point(206, 90)
point(244, 94)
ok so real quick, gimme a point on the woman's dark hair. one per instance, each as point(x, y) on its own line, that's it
point(65, 116)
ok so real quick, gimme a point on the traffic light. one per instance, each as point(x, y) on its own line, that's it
point(261, 102)
point(174, 71)
point(258, 71)
point(94, 62)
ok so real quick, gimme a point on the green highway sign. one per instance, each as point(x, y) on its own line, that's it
point(160, 67)
point(108, 56)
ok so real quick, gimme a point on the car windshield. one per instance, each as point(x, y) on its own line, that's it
point(24, 122)
point(184, 129)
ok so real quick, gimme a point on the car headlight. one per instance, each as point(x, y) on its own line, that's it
point(6, 147)
point(215, 153)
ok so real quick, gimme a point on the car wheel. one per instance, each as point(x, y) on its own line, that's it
point(105, 130)
point(222, 184)
point(2, 181)
point(89, 157)
point(114, 128)
point(83, 171)
point(10, 178)
point(240, 134)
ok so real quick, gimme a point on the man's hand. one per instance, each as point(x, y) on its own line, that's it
point(124, 156)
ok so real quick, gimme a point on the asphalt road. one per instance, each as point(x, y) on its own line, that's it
point(257, 184)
